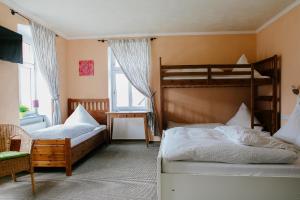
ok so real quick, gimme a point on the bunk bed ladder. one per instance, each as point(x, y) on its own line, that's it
point(252, 87)
point(272, 100)
point(275, 99)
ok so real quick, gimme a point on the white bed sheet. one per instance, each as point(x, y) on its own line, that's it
point(225, 169)
point(77, 140)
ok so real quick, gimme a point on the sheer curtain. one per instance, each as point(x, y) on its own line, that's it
point(134, 57)
point(45, 51)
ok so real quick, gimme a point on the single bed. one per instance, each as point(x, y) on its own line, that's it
point(65, 151)
point(213, 181)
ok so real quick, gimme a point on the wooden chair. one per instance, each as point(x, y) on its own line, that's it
point(15, 152)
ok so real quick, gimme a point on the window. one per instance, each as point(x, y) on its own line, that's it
point(124, 97)
point(27, 72)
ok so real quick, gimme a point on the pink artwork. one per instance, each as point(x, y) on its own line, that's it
point(86, 68)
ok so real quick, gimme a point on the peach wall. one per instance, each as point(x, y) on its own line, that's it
point(87, 86)
point(204, 104)
point(283, 38)
point(173, 50)
point(9, 84)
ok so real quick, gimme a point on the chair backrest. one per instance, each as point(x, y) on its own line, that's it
point(8, 132)
point(4, 139)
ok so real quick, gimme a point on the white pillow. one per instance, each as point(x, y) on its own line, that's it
point(80, 115)
point(243, 118)
point(291, 131)
point(244, 61)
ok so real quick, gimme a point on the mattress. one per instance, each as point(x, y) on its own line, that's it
point(224, 169)
point(77, 140)
point(76, 133)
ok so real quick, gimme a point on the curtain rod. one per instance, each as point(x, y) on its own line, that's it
point(153, 38)
point(13, 12)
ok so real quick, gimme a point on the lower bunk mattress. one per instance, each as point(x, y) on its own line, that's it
point(226, 169)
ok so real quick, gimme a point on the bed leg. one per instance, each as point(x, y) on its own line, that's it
point(106, 137)
point(68, 170)
point(68, 157)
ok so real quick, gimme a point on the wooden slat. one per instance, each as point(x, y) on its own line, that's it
point(226, 66)
point(263, 111)
point(213, 83)
point(48, 163)
point(264, 98)
point(230, 73)
point(167, 74)
point(49, 142)
point(48, 149)
point(48, 157)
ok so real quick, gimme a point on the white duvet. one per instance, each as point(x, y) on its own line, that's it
point(63, 131)
point(226, 144)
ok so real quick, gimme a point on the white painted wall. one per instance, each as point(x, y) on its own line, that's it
point(129, 128)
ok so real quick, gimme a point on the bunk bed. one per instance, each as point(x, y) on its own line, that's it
point(190, 179)
point(262, 73)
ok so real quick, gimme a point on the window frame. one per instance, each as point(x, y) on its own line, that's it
point(32, 66)
point(113, 71)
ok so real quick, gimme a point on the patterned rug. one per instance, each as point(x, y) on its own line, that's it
point(121, 171)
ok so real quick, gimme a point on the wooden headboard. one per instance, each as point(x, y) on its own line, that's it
point(96, 107)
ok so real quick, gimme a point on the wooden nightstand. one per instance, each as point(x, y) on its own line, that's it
point(127, 114)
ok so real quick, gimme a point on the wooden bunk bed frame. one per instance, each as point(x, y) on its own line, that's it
point(182, 185)
point(59, 153)
point(270, 118)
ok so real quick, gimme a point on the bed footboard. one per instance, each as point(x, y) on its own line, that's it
point(53, 153)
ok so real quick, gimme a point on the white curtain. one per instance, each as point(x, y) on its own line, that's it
point(134, 57)
point(45, 52)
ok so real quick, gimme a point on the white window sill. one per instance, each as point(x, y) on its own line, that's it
point(32, 119)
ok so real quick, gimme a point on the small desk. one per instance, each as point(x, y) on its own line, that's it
point(127, 114)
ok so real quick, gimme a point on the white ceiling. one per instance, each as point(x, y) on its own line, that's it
point(109, 18)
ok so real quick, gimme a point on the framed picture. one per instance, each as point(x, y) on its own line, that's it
point(86, 68)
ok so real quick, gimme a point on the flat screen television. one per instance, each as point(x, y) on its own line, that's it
point(10, 46)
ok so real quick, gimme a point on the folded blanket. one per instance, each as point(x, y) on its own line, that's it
point(212, 145)
point(252, 137)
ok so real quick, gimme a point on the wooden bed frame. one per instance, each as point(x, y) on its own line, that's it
point(270, 117)
point(59, 153)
